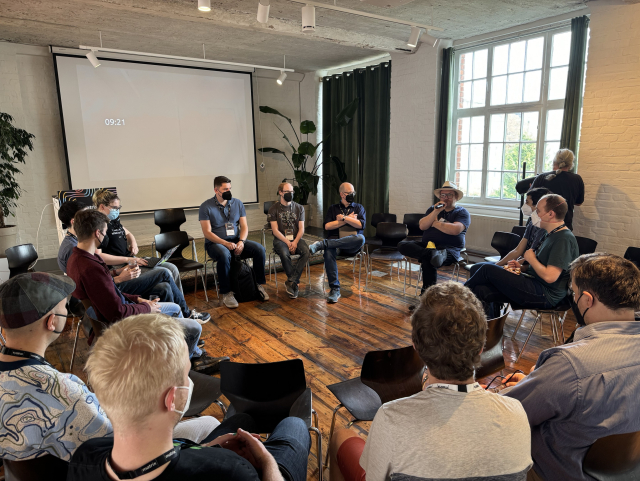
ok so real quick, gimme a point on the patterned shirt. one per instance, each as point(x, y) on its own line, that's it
point(44, 411)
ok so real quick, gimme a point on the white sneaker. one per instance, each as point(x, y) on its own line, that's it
point(229, 301)
point(265, 296)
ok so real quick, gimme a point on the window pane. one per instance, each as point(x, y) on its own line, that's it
point(496, 130)
point(528, 155)
point(480, 63)
point(535, 48)
point(509, 186)
point(475, 184)
point(561, 49)
point(461, 180)
point(550, 149)
point(462, 157)
point(530, 126)
point(513, 127)
point(500, 60)
point(516, 56)
point(475, 157)
point(498, 90)
point(558, 83)
point(511, 156)
point(479, 93)
point(493, 184)
point(477, 130)
point(465, 69)
point(464, 101)
point(532, 86)
point(554, 124)
point(495, 157)
point(463, 130)
point(514, 88)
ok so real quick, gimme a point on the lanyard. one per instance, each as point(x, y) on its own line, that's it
point(343, 211)
point(7, 351)
point(223, 207)
point(457, 387)
point(150, 466)
point(544, 237)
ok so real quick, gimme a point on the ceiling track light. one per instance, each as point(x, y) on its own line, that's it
point(93, 59)
point(308, 19)
point(283, 74)
point(263, 11)
point(414, 37)
point(204, 5)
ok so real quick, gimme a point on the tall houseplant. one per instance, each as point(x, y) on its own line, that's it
point(14, 143)
point(307, 154)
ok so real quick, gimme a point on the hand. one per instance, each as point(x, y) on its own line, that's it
point(141, 261)
point(340, 217)
point(155, 307)
point(228, 441)
point(530, 256)
point(514, 265)
point(134, 249)
point(127, 273)
point(259, 457)
point(293, 246)
point(230, 245)
point(353, 215)
point(239, 248)
point(515, 379)
point(438, 209)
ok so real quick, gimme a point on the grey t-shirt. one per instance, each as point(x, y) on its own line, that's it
point(444, 434)
point(287, 216)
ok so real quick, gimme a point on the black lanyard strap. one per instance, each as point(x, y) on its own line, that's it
point(544, 237)
point(150, 466)
point(7, 351)
point(223, 207)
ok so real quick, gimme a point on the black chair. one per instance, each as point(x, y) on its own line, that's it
point(269, 393)
point(492, 359)
point(46, 467)
point(412, 221)
point(586, 245)
point(633, 254)
point(519, 230)
point(614, 458)
point(503, 242)
point(391, 233)
point(20, 258)
point(385, 376)
point(170, 220)
point(267, 226)
point(375, 241)
point(206, 391)
point(166, 241)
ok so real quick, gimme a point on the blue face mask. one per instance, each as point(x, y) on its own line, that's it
point(113, 214)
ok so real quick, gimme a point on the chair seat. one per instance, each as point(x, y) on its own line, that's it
point(185, 265)
point(387, 254)
point(491, 361)
point(206, 390)
point(563, 306)
point(360, 400)
point(191, 239)
point(492, 259)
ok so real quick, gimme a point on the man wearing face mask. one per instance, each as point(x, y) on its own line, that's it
point(287, 224)
point(145, 403)
point(224, 224)
point(588, 389)
point(543, 283)
point(347, 220)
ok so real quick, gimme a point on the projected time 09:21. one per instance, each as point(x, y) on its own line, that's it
point(114, 121)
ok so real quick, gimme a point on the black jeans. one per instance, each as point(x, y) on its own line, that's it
point(418, 250)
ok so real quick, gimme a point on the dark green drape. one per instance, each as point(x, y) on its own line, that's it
point(363, 145)
point(575, 84)
point(442, 139)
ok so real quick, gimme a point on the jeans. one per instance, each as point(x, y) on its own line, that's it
point(222, 256)
point(173, 270)
point(192, 328)
point(474, 268)
point(157, 281)
point(493, 284)
point(346, 246)
point(293, 274)
point(417, 250)
point(289, 443)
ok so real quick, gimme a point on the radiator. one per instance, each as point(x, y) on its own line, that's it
point(481, 230)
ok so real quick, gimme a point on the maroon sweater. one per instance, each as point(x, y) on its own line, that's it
point(94, 282)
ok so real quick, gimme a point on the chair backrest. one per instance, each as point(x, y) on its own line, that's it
point(586, 245)
point(495, 331)
point(633, 254)
point(169, 220)
point(518, 230)
point(504, 242)
point(267, 206)
point(614, 457)
point(377, 218)
point(97, 326)
point(166, 241)
point(412, 221)
point(45, 467)
point(20, 258)
point(265, 391)
point(394, 373)
point(391, 233)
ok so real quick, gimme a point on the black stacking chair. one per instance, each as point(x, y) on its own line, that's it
point(206, 391)
point(269, 393)
point(519, 230)
point(492, 359)
point(614, 458)
point(267, 226)
point(20, 258)
point(633, 254)
point(46, 467)
point(375, 241)
point(586, 245)
point(166, 241)
point(503, 242)
point(391, 233)
point(412, 221)
point(170, 220)
point(385, 376)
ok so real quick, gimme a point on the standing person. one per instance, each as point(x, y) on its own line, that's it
point(224, 224)
point(287, 224)
point(346, 219)
point(444, 227)
point(564, 183)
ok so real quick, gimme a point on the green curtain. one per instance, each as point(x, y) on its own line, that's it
point(442, 139)
point(575, 84)
point(363, 145)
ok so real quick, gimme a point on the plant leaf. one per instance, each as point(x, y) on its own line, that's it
point(271, 149)
point(285, 137)
point(307, 127)
point(297, 160)
point(268, 110)
point(347, 114)
point(307, 148)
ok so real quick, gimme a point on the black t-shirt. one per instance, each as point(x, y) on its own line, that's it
point(117, 239)
point(568, 185)
point(196, 463)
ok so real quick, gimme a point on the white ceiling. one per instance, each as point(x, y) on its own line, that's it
point(230, 31)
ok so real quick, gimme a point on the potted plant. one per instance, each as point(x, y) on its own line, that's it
point(13, 145)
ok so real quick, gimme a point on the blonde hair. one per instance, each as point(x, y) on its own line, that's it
point(103, 197)
point(281, 186)
point(563, 159)
point(134, 362)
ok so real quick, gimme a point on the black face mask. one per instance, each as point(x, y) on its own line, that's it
point(350, 198)
point(226, 195)
point(576, 312)
point(288, 197)
point(105, 242)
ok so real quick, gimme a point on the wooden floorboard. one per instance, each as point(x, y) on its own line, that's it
point(331, 340)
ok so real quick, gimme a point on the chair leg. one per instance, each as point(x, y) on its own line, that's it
point(530, 332)
point(275, 270)
point(518, 325)
point(204, 284)
point(269, 266)
point(222, 406)
point(404, 287)
point(308, 273)
point(333, 425)
point(319, 452)
point(75, 343)
point(194, 252)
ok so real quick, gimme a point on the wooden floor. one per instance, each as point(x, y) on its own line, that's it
point(331, 340)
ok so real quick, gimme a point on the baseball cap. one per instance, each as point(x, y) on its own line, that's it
point(26, 298)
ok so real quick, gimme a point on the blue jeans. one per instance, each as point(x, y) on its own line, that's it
point(493, 285)
point(222, 256)
point(173, 270)
point(346, 246)
point(192, 328)
point(474, 268)
point(159, 282)
point(293, 274)
point(289, 443)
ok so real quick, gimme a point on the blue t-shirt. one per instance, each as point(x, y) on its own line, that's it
point(534, 235)
point(66, 247)
point(219, 215)
point(453, 243)
point(337, 209)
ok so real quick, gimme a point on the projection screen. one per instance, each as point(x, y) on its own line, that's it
point(158, 133)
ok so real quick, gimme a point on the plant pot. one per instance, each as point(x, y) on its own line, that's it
point(7, 238)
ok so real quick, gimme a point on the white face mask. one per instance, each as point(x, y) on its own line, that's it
point(535, 219)
point(526, 209)
point(186, 405)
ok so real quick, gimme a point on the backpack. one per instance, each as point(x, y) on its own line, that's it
point(243, 281)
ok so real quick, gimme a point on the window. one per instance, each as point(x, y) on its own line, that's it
point(508, 114)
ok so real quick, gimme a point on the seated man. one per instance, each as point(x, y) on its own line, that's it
point(145, 402)
point(109, 305)
point(533, 236)
point(287, 224)
point(347, 220)
point(157, 281)
point(588, 389)
point(451, 428)
point(224, 225)
point(540, 281)
point(444, 226)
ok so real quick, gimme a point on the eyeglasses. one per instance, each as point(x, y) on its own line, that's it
point(447, 196)
point(350, 193)
point(115, 207)
point(287, 192)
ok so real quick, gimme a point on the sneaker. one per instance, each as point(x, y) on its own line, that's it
point(289, 286)
point(229, 301)
point(296, 291)
point(265, 296)
point(334, 295)
point(200, 342)
point(206, 364)
point(316, 246)
point(201, 317)
point(438, 257)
